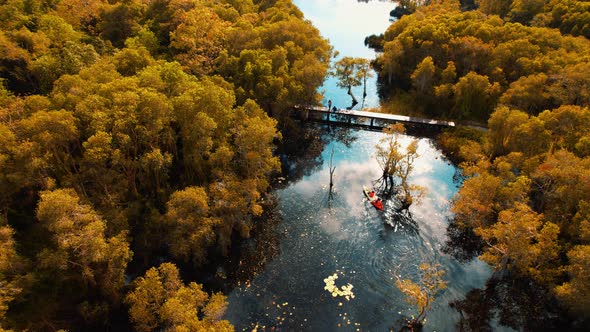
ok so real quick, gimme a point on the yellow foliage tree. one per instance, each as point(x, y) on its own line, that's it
point(190, 227)
point(160, 300)
point(521, 241)
point(422, 294)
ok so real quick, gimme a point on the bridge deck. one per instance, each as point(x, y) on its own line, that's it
point(377, 116)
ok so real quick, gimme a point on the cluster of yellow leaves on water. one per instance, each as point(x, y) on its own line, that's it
point(331, 287)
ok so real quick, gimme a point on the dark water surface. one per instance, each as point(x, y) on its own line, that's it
point(315, 238)
point(362, 246)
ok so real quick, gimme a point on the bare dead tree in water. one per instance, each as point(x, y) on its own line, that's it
point(332, 169)
point(354, 101)
point(364, 72)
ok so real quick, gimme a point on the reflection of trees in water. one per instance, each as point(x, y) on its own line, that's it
point(301, 150)
point(302, 147)
point(254, 253)
point(462, 243)
point(344, 135)
point(301, 154)
point(514, 302)
point(507, 299)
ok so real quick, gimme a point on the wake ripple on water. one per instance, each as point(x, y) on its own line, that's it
point(344, 235)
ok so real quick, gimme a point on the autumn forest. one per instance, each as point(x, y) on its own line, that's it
point(138, 140)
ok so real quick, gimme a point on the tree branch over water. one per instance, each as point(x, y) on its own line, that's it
point(397, 164)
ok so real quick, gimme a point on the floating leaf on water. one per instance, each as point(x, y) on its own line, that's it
point(345, 291)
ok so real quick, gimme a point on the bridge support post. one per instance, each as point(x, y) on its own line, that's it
point(372, 119)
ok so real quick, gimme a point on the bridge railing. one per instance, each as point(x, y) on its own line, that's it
point(363, 118)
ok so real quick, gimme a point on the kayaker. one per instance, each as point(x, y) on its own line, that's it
point(373, 197)
point(379, 204)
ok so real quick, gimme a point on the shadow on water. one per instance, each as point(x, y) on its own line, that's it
point(301, 151)
point(250, 256)
point(507, 300)
point(514, 302)
point(462, 243)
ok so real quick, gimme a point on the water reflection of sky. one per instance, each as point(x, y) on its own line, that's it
point(347, 236)
point(364, 247)
point(346, 23)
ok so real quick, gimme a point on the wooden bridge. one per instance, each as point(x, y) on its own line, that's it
point(370, 120)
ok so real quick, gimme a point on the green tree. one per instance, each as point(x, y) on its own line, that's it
point(562, 182)
point(389, 156)
point(78, 268)
point(484, 46)
point(471, 54)
point(54, 137)
point(531, 138)
point(7, 144)
point(503, 124)
point(475, 204)
point(100, 177)
point(81, 15)
point(58, 31)
point(130, 61)
point(569, 16)
point(14, 62)
point(253, 140)
point(567, 124)
point(68, 59)
point(120, 21)
point(449, 74)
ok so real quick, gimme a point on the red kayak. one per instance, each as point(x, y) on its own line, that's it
point(375, 201)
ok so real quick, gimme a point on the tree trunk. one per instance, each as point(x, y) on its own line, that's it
point(364, 92)
point(354, 101)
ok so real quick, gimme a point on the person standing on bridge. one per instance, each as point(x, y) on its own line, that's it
point(329, 105)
